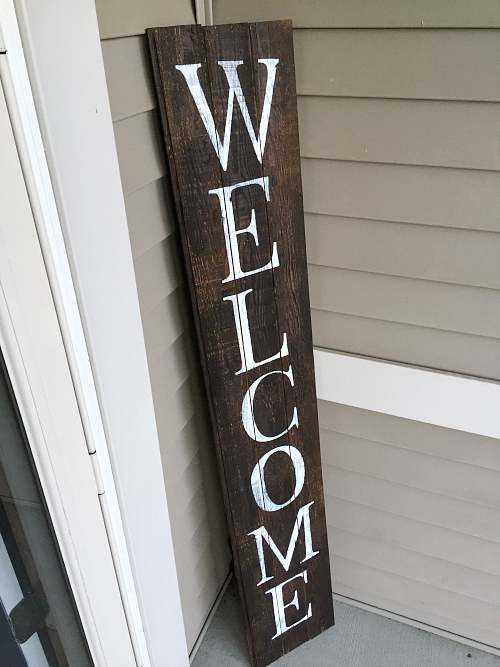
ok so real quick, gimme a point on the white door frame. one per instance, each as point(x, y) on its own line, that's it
point(32, 345)
point(64, 136)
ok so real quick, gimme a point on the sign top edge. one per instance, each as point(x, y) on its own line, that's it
point(285, 22)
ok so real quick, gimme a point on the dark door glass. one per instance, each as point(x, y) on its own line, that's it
point(39, 624)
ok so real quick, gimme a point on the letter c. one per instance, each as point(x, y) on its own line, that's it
point(247, 415)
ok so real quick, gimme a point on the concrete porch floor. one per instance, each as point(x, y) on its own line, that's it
point(359, 639)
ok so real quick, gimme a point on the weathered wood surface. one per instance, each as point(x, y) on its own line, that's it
point(267, 269)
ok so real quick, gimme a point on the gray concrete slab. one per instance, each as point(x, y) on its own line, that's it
point(359, 639)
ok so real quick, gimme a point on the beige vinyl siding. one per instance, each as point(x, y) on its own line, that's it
point(419, 132)
point(400, 148)
point(399, 64)
point(191, 479)
point(401, 151)
point(413, 519)
point(121, 18)
point(456, 198)
point(423, 346)
point(363, 14)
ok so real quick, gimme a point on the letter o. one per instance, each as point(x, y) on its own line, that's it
point(259, 485)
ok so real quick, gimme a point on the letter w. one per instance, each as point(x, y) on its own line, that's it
point(261, 534)
point(190, 73)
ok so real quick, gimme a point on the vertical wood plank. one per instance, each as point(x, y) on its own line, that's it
point(263, 193)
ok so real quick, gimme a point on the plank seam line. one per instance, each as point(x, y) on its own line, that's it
point(398, 275)
point(369, 442)
point(400, 164)
point(409, 518)
point(434, 586)
point(423, 225)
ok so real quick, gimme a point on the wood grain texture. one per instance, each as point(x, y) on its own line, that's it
point(277, 304)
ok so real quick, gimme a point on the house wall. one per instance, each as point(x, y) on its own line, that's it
point(398, 120)
point(191, 480)
point(413, 518)
point(400, 157)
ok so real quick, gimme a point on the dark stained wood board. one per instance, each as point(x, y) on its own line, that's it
point(239, 203)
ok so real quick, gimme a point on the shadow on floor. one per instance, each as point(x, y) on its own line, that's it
point(359, 639)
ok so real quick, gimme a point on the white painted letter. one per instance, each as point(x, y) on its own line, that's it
point(190, 73)
point(231, 233)
point(279, 605)
point(259, 485)
point(247, 415)
point(261, 534)
point(245, 340)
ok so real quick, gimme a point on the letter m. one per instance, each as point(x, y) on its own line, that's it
point(230, 67)
point(262, 535)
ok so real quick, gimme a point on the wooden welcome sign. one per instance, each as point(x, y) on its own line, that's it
point(227, 96)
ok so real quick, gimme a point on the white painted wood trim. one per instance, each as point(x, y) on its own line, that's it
point(444, 399)
point(32, 155)
point(32, 345)
point(62, 47)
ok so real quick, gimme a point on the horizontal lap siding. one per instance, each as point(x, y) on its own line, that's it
point(442, 306)
point(434, 196)
point(414, 519)
point(399, 64)
point(399, 138)
point(191, 480)
point(401, 158)
point(400, 150)
point(419, 346)
point(419, 132)
point(362, 14)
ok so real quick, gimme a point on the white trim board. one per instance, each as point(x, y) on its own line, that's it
point(32, 345)
point(64, 58)
point(444, 399)
point(39, 188)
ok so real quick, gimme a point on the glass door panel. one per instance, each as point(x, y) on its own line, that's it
point(39, 624)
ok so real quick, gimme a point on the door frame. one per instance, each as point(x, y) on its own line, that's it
point(35, 356)
point(79, 241)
